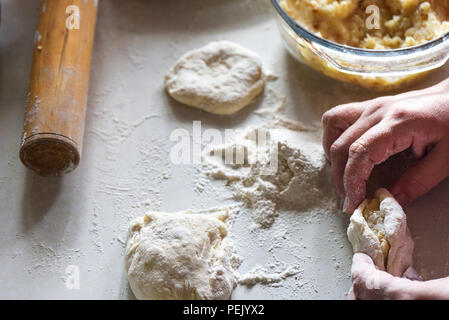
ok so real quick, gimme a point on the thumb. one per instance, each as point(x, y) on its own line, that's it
point(422, 177)
point(362, 264)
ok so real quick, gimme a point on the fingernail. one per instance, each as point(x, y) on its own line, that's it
point(401, 198)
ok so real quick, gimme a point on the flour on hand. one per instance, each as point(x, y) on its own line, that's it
point(221, 77)
point(185, 255)
point(378, 228)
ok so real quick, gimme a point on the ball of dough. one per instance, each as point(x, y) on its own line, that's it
point(378, 228)
point(221, 78)
point(180, 256)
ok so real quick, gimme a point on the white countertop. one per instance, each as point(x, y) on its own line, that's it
point(81, 219)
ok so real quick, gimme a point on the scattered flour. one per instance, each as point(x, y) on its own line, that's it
point(279, 164)
point(263, 276)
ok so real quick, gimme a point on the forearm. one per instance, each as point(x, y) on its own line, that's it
point(422, 290)
point(438, 89)
point(435, 289)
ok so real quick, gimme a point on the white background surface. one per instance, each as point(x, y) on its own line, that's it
point(81, 219)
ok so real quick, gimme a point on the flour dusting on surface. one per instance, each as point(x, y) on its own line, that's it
point(261, 275)
point(288, 170)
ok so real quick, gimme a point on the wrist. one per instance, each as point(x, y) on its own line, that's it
point(405, 289)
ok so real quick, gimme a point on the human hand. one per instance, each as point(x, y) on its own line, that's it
point(369, 283)
point(358, 136)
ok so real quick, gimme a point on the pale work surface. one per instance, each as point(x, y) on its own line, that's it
point(81, 219)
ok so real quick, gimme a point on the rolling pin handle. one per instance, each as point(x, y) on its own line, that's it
point(54, 120)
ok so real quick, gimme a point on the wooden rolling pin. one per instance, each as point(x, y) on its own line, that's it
point(54, 120)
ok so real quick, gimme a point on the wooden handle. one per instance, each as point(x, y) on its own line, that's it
point(54, 120)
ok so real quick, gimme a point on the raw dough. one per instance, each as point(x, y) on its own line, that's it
point(184, 255)
point(221, 77)
point(378, 227)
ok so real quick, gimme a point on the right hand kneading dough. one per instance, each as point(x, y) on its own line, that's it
point(221, 77)
point(378, 228)
point(184, 255)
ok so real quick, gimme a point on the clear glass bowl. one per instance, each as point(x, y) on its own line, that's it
point(375, 69)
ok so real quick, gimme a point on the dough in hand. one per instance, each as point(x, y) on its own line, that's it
point(183, 255)
point(378, 228)
point(221, 77)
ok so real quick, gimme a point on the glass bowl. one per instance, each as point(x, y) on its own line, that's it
point(374, 69)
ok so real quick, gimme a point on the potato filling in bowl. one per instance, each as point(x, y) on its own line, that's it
point(378, 33)
point(372, 24)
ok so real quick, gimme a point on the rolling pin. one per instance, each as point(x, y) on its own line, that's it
point(56, 110)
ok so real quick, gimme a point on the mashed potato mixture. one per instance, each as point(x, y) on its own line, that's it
point(391, 24)
point(397, 24)
point(375, 219)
